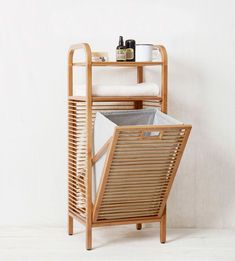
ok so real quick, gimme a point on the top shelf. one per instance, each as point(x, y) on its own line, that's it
point(119, 64)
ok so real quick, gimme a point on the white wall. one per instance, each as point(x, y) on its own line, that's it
point(34, 39)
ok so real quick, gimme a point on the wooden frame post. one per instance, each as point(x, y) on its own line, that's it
point(70, 93)
point(138, 226)
point(89, 205)
point(164, 72)
point(139, 105)
point(163, 227)
point(70, 225)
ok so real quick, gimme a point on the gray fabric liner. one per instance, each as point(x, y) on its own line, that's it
point(140, 117)
point(104, 126)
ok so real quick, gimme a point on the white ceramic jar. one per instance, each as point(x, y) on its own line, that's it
point(144, 52)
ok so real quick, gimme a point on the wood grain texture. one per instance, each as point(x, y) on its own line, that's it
point(101, 152)
point(133, 186)
point(117, 98)
point(119, 64)
point(163, 227)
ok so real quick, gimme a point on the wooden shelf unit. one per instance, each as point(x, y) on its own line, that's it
point(81, 110)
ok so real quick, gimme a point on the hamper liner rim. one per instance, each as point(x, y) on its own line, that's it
point(143, 111)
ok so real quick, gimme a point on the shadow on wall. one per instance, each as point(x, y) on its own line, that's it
point(202, 194)
point(128, 233)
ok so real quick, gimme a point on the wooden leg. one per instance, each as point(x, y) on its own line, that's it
point(163, 227)
point(70, 225)
point(139, 226)
point(88, 237)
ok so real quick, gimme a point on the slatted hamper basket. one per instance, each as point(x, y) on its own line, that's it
point(137, 153)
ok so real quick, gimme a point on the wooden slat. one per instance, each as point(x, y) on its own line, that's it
point(119, 64)
point(116, 98)
point(76, 166)
point(126, 221)
point(101, 152)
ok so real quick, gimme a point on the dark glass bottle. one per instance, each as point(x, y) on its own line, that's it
point(121, 51)
point(130, 50)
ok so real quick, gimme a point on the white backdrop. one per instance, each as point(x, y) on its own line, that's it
point(34, 39)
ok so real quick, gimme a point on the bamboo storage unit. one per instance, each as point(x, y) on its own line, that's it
point(121, 198)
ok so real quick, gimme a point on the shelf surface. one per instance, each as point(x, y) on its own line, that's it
point(120, 64)
point(117, 98)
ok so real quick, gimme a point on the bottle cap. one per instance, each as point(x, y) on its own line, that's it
point(130, 43)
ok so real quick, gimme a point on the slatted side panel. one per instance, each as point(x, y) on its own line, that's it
point(77, 158)
point(77, 150)
point(140, 174)
point(152, 104)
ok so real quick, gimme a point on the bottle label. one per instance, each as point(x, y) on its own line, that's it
point(121, 55)
point(129, 53)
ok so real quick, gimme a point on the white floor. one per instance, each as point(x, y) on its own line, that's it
point(116, 243)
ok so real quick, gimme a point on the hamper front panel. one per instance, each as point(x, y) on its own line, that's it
point(140, 174)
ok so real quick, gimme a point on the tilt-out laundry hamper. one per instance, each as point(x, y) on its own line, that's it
point(123, 175)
